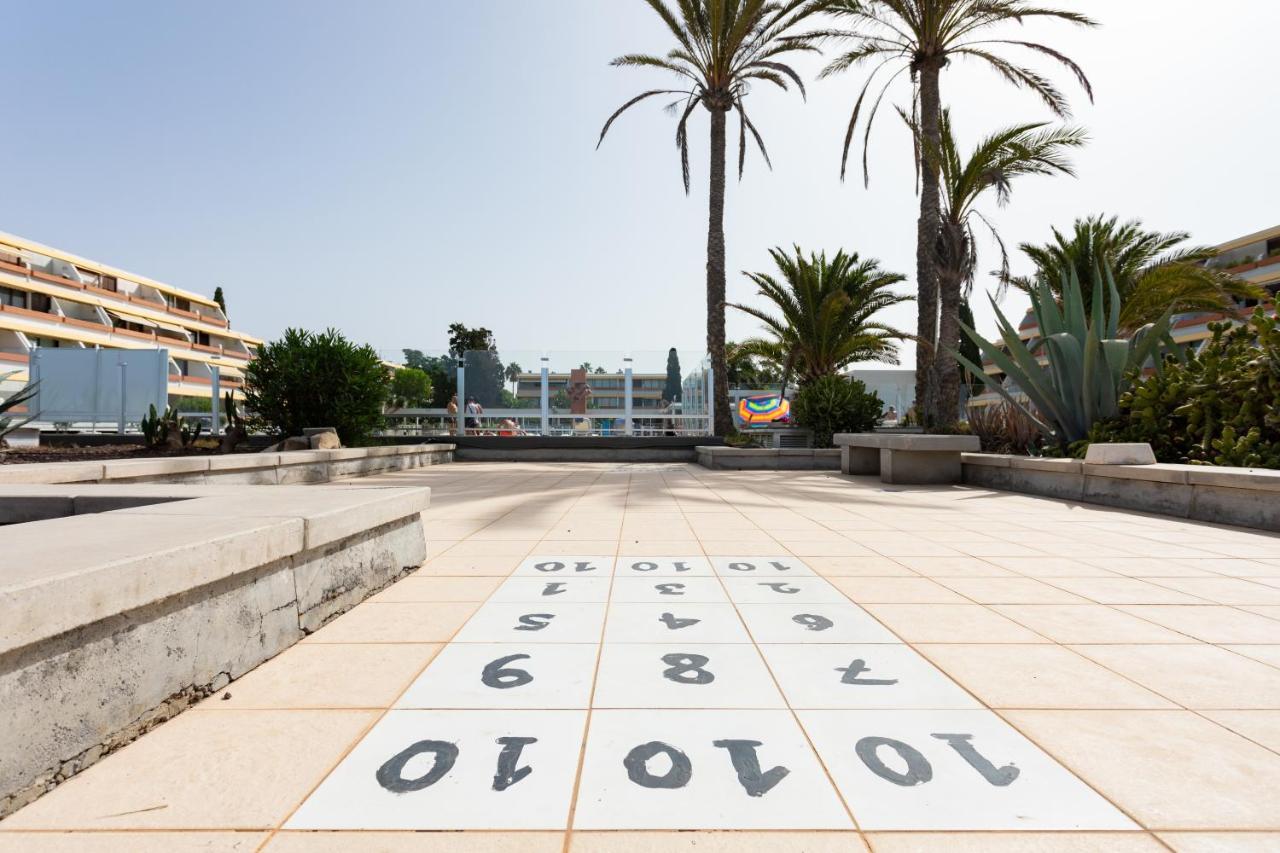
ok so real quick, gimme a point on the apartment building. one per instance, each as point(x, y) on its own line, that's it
point(1253, 257)
point(51, 298)
point(607, 391)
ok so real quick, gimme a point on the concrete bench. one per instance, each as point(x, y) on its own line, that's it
point(904, 458)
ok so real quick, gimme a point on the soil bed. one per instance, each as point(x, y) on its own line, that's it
point(24, 455)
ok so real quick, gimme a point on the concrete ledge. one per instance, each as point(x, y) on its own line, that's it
point(112, 622)
point(1246, 497)
point(908, 441)
point(299, 466)
point(768, 459)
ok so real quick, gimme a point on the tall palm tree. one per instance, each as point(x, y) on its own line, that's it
point(920, 37)
point(1018, 151)
point(1153, 272)
point(722, 46)
point(512, 374)
point(825, 314)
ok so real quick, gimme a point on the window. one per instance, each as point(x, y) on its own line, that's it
point(202, 338)
point(183, 304)
point(41, 302)
point(109, 282)
point(13, 298)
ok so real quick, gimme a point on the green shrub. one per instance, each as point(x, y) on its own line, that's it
point(1220, 406)
point(832, 404)
point(410, 387)
point(315, 379)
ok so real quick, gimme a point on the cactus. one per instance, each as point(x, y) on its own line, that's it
point(1089, 366)
point(153, 431)
point(17, 398)
point(237, 430)
point(169, 430)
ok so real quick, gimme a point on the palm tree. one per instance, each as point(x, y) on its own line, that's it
point(512, 374)
point(920, 37)
point(1152, 273)
point(722, 47)
point(825, 314)
point(1026, 149)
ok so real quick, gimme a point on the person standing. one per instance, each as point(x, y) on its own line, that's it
point(452, 409)
point(474, 411)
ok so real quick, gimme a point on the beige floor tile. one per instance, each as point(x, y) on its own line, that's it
point(954, 567)
point(396, 623)
point(1259, 726)
point(1123, 591)
point(1195, 676)
point(1271, 611)
point(1013, 842)
point(659, 547)
point(916, 590)
point(858, 567)
point(1233, 567)
point(469, 566)
point(427, 589)
point(734, 547)
point(1168, 769)
point(1211, 623)
point(1050, 567)
point(1226, 590)
point(1088, 623)
point(811, 548)
point(324, 675)
point(716, 842)
point(1037, 676)
point(436, 547)
point(951, 623)
point(1267, 654)
point(203, 769)
point(130, 842)
point(576, 546)
point(416, 842)
point(493, 547)
point(1222, 842)
point(1010, 591)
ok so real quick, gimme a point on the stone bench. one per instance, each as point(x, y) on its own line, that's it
point(904, 458)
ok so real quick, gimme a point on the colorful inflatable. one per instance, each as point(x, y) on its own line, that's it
point(764, 410)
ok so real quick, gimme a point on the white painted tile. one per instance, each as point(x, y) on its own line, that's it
point(533, 622)
point(950, 794)
point(553, 590)
point(559, 567)
point(782, 590)
point(817, 676)
point(712, 797)
point(677, 622)
point(694, 590)
point(763, 567)
point(506, 675)
point(684, 675)
point(663, 567)
point(354, 795)
point(841, 622)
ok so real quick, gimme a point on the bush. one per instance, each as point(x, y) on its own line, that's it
point(310, 379)
point(832, 404)
point(1220, 406)
point(1003, 428)
point(410, 387)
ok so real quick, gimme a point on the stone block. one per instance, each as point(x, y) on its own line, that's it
point(1144, 495)
point(989, 460)
point(1119, 453)
point(862, 461)
point(909, 441)
point(1173, 474)
point(1043, 463)
point(919, 467)
point(1255, 479)
point(52, 472)
point(129, 469)
point(1226, 505)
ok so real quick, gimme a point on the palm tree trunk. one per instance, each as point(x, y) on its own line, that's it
point(716, 278)
point(926, 246)
point(946, 369)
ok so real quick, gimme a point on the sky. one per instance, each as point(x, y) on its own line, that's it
point(392, 166)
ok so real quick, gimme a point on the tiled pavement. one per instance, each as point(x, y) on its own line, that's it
point(898, 669)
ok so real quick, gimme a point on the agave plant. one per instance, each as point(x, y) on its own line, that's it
point(17, 398)
point(1088, 365)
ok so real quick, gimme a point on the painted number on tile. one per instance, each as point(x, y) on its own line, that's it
point(776, 565)
point(675, 623)
point(391, 775)
point(556, 566)
point(742, 755)
point(498, 675)
point(812, 621)
point(917, 768)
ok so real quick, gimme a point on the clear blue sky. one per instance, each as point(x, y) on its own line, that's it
point(389, 167)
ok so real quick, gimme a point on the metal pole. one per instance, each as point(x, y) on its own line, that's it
point(214, 404)
point(546, 397)
point(626, 384)
point(124, 366)
point(462, 398)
